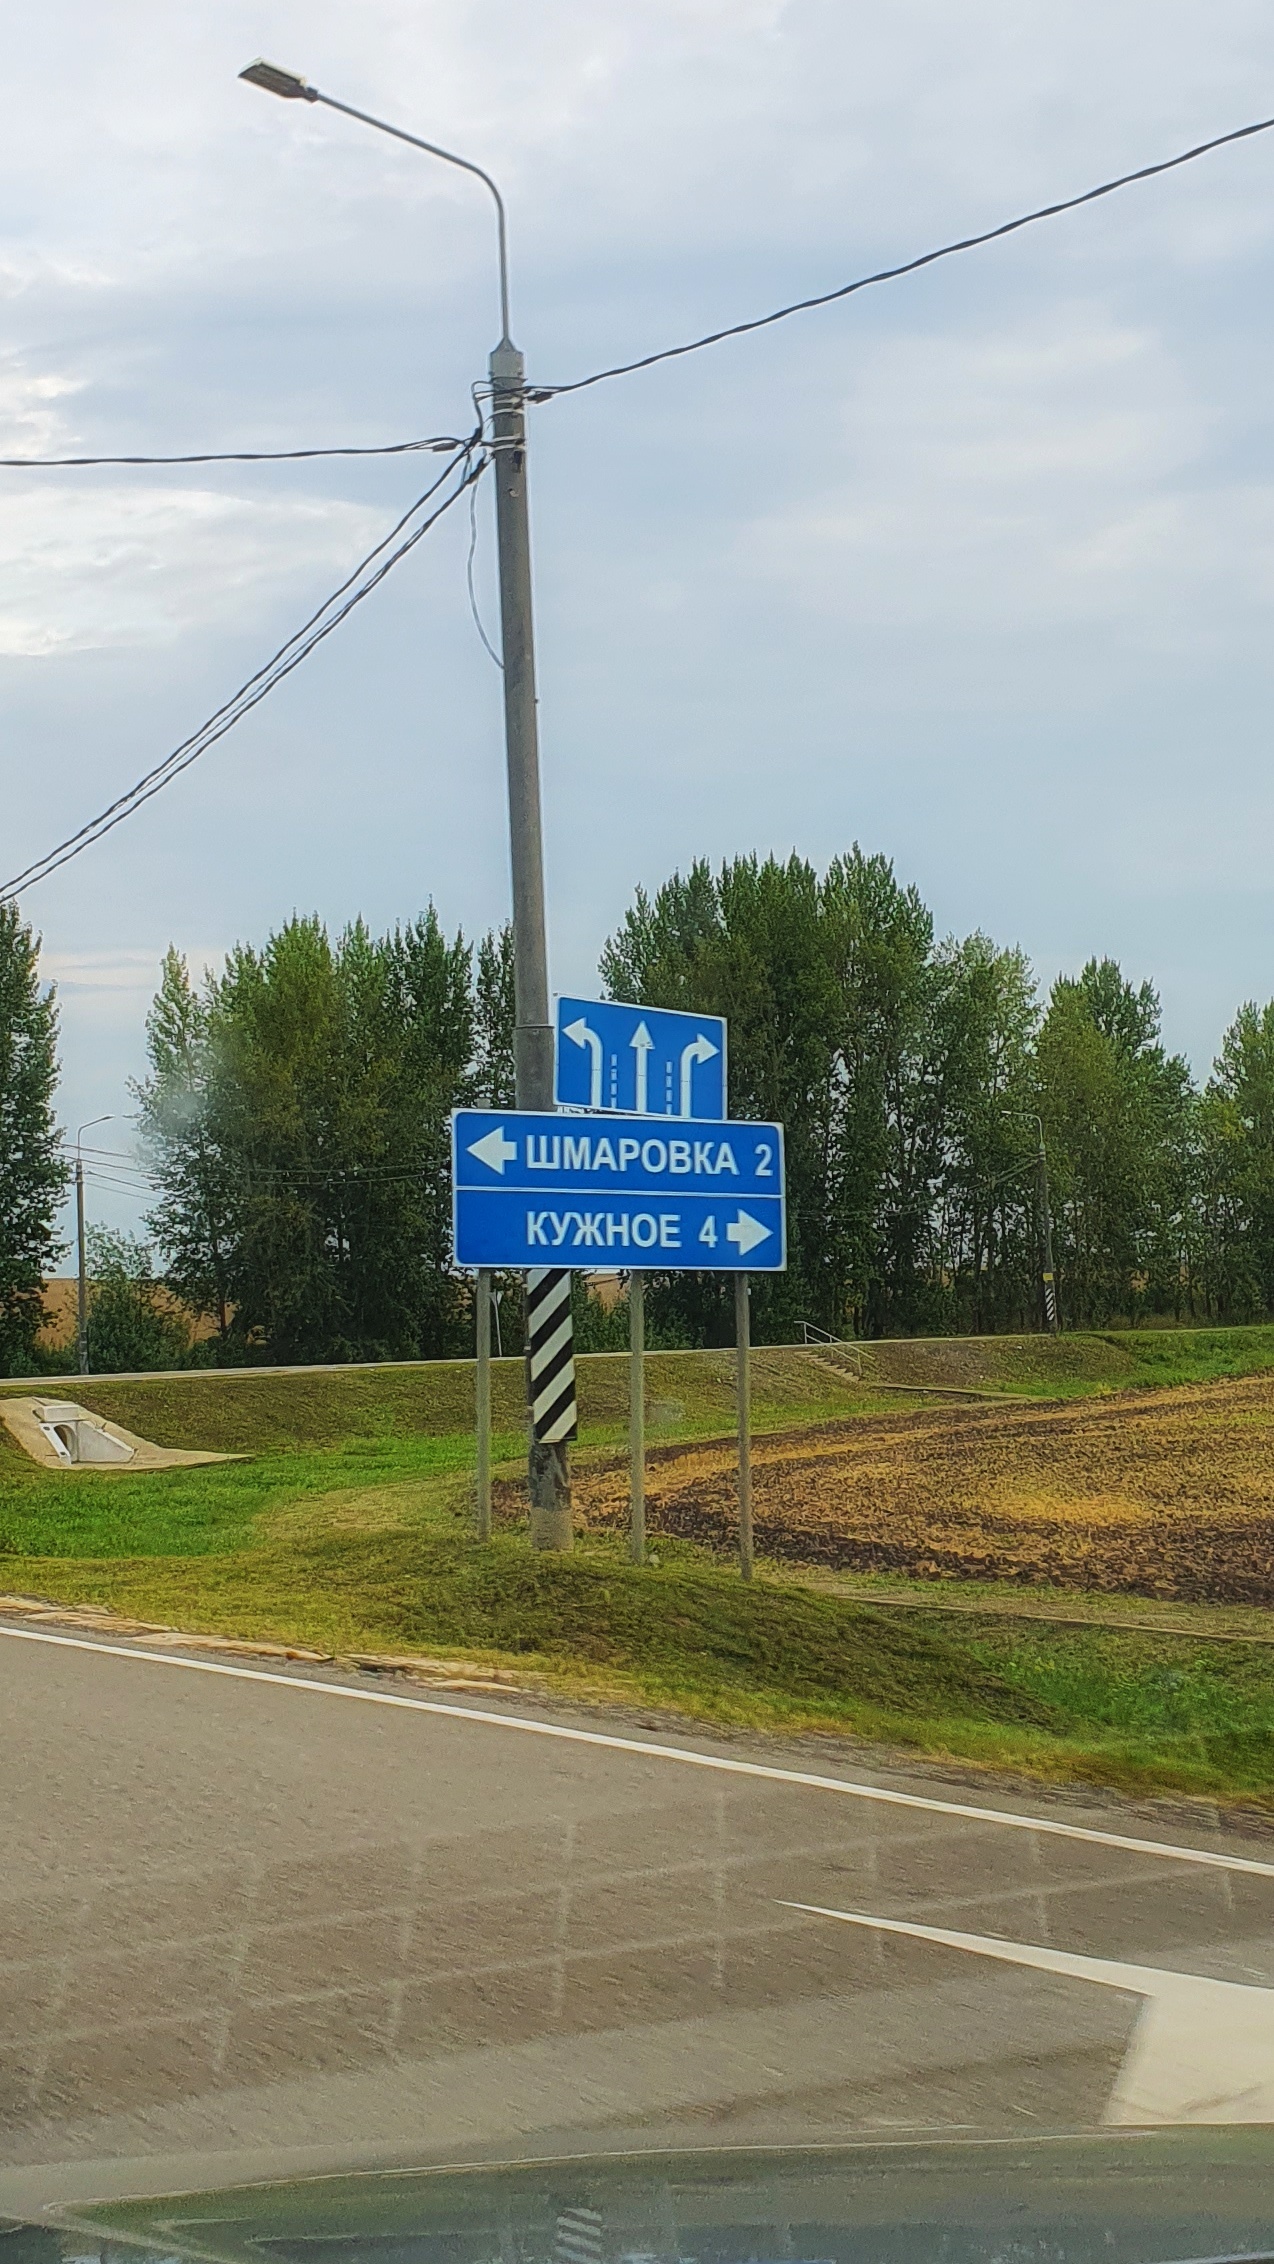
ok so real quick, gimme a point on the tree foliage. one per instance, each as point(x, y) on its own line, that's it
point(912, 1073)
point(33, 1173)
point(297, 1115)
point(296, 1111)
point(131, 1326)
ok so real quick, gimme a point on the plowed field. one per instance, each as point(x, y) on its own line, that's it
point(1165, 1493)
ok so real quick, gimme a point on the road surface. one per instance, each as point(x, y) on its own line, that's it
point(258, 1919)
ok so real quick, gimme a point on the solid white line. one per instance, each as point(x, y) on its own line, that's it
point(1167, 1849)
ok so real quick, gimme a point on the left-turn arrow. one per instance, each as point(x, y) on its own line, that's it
point(494, 1149)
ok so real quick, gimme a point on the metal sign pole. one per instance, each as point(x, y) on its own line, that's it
point(637, 1416)
point(482, 1385)
point(743, 1392)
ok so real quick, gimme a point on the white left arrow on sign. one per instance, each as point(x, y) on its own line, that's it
point(580, 1034)
point(494, 1149)
point(747, 1232)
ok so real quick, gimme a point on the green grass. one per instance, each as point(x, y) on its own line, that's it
point(1188, 1356)
point(198, 1512)
point(229, 1412)
point(348, 1530)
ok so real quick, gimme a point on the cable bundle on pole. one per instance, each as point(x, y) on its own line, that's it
point(367, 576)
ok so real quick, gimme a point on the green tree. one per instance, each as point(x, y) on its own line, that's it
point(1236, 1170)
point(302, 1140)
point(494, 1015)
point(192, 1220)
point(1118, 1114)
point(982, 1265)
point(33, 1173)
point(826, 986)
point(130, 1326)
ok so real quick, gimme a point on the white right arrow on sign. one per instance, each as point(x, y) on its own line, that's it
point(747, 1232)
point(700, 1048)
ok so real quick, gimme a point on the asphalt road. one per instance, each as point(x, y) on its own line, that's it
point(260, 1920)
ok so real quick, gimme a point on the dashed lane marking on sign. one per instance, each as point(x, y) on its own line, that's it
point(1006, 1819)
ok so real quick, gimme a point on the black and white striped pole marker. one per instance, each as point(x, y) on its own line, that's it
point(578, 2237)
point(550, 1356)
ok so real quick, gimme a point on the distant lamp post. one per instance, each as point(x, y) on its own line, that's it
point(81, 1287)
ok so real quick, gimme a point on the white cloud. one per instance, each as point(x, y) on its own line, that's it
point(101, 970)
point(1060, 474)
point(903, 509)
point(84, 567)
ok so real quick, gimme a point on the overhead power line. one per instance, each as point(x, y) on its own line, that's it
point(906, 267)
point(442, 445)
point(335, 609)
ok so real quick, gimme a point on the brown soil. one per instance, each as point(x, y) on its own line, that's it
point(1166, 1493)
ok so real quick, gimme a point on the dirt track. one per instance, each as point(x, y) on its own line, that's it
point(1165, 1493)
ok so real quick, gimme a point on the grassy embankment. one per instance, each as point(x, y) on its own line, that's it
point(348, 1530)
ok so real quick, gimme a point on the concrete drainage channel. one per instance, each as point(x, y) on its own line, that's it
point(62, 1435)
point(76, 1436)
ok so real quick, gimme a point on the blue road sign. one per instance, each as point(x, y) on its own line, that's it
point(640, 1060)
point(543, 1190)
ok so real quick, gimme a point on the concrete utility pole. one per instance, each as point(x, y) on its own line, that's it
point(548, 1463)
point(81, 1249)
point(548, 1471)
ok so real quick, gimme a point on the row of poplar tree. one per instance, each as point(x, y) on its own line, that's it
point(294, 1119)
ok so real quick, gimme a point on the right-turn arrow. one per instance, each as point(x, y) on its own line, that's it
point(747, 1232)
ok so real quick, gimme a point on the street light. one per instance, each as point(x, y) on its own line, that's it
point(81, 1286)
point(548, 1473)
point(292, 88)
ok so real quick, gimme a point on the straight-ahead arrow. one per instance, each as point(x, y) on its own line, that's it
point(643, 1045)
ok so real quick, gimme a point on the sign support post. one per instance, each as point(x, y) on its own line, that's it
point(743, 1393)
point(637, 1417)
point(482, 1386)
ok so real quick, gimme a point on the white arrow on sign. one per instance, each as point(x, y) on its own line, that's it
point(699, 1049)
point(747, 1232)
point(643, 1045)
point(494, 1149)
point(581, 1035)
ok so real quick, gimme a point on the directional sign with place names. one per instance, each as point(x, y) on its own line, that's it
point(639, 1060)
point(544, 1190)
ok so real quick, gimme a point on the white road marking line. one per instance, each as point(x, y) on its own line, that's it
point(1202, 2050)
point(1211, 1858)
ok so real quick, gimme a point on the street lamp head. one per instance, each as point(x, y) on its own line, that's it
point(288, 84)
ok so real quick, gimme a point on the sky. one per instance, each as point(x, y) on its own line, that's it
point(975, 569)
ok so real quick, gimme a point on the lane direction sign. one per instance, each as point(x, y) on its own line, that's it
point(640, 1060)
point(544, 1190)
